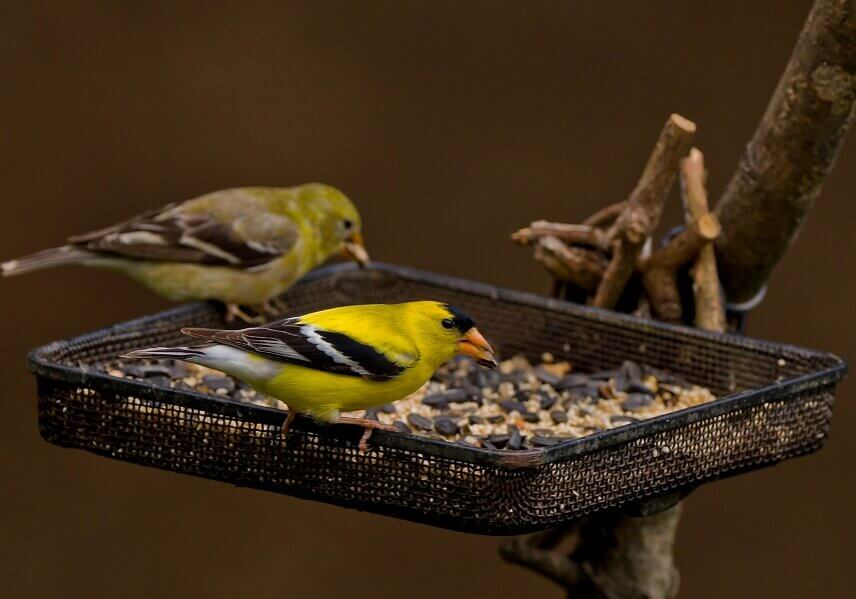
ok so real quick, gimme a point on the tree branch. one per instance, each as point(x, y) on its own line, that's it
point(644, 206)
point(582, 267)
point(792, 151)
point(605, 216)
point(569, 233)
point(709, 305)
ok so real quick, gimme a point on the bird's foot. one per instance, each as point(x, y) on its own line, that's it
point(369, 426)
point(292, 414)
point(234, 311)
point(274, 307)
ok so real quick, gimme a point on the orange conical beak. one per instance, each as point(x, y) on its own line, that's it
point(473, 344)
point(356, 250)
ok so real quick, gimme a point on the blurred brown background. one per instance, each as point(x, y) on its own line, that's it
point(444, 122)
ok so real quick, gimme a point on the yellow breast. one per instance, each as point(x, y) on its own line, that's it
point(319, 393)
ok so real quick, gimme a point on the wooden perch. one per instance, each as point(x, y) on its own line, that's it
point(642, 212)
point(709, 305)
point(792, 151)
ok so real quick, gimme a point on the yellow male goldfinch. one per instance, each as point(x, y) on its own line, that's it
point(241, 246)
point(338, 360)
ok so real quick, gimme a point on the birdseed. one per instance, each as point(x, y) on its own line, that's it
point(518, 406)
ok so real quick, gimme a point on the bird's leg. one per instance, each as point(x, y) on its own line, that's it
point(369, 426)
point(274, 307)
point(292, 414)
point(234, 311)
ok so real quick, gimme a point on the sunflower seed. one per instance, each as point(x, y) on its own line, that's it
point(515, 439)
point(545, 376)
point(573, 380)
point(635, 401)
point(420, 422)
point(498, 441)
point(605, 375)
point(510, 405)
point(437, 400)
point(559, 416)
point(546, 401)
point(639, 387)
point(539, 441)
point(445, 426)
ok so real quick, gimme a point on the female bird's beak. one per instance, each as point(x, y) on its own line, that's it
point(355, 250)
point(474, 345)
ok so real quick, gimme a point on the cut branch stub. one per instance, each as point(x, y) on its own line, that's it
point(684, 246)
point(792, 151)
point(707, 291)
point(660, 270)
point(642, 212)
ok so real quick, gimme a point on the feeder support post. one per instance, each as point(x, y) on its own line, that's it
point(792, 151)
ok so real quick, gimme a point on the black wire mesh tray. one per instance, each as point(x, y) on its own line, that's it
point(775, 402)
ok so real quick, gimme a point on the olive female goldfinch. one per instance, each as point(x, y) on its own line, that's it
point(241, 246)
point(338, 360)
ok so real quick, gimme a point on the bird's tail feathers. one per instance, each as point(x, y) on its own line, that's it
point(58, 256)
point(175, 353)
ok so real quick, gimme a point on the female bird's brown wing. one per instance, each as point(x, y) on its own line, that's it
point(175, 235)
point(306, 345)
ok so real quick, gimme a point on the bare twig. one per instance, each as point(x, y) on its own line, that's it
point(684, 246)
point(792, 151)
point(709, 305)
point(660, 270)
point(582, 267)
point(642, 213)
point(605, 216)
point(569, 233)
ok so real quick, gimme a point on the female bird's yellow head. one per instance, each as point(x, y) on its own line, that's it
point(334, 219)
point(444, 331)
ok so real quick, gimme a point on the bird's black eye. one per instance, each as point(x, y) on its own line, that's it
point(447, 323)
point(347, 223)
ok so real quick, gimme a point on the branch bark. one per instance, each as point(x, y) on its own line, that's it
point(612, 556)
point(569, 233)
point(660, 270)
point(791, 152)
point(644, 206)
point(582, 267)
point(707, 291)
point(605, 216)
point(780, 175)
